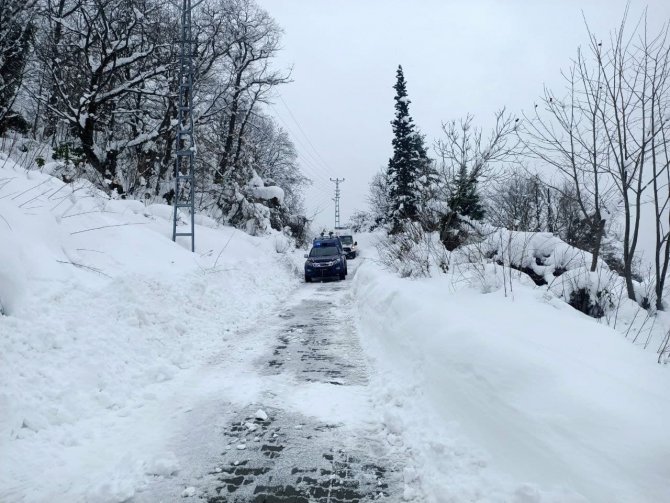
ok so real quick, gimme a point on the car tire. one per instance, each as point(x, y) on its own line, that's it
point(307, 279)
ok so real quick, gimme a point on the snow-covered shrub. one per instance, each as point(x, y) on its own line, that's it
point(453, 232)
point(581, 300)
point(413, 252)
point(546, 260)
point(593, 293)
point(298, 228)
point(540, 255)
point(282, 243)
point(485, 277)
point(262, 192)
point(362, 221)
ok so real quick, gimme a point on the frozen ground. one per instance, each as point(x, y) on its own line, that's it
point(133, 370)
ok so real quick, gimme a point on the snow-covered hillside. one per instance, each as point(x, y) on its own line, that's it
point(105, 321)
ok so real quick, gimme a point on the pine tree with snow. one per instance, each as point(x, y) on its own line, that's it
point(426, 180)
point(465, 199)
point(403, 170)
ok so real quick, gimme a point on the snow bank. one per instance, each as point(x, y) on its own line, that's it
point(513, 399)
point(105, 319)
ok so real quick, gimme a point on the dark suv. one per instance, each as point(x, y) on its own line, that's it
point(326, 259)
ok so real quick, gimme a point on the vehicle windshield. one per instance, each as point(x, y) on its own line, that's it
point(347, 240)
point(325, 251)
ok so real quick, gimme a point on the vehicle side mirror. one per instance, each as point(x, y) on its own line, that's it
point(306, 255)
point(355, 243)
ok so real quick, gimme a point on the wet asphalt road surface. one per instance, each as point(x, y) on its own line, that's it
point(287, 457)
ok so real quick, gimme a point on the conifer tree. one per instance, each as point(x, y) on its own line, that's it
point(403, 167)
point(426, 179)
point(465, 197)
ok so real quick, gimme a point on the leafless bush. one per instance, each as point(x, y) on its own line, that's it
point(664, 349)
point(413, 252)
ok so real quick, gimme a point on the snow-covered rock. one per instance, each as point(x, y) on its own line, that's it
point(261, 415)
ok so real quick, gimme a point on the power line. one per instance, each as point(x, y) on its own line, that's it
point(304, 134)
point(308, 164)
point(315, 162)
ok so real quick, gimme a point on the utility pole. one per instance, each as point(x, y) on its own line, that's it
point(337, 182)
point(184, 173)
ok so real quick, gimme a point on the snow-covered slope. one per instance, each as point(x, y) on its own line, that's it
point(562, 408)
point(105, 317)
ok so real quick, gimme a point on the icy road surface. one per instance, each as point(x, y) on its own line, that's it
point(309, 431)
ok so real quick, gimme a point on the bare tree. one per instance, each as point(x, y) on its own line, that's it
point(378, 197)
point(520, 202)
point(105, 58)
point(465, 158)
point(16, 32)
point(635, 73)
point(55, 15)
point(464, 145)
point(567, 134)
point(255, 41)
point(659, 153)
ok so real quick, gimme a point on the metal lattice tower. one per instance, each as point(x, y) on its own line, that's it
point(184, 176)
point(337, 182)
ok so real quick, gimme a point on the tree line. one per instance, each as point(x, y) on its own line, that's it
point(590, 163)
point(96, 81)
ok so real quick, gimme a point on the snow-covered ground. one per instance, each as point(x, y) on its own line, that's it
point(108, 327)
point(126, 363)
point(513, 398)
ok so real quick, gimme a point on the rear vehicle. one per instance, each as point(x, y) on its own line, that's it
point(325, 260)
point(333, 241)
point(349, 246)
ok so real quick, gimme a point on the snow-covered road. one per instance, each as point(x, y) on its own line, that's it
point(308, 431)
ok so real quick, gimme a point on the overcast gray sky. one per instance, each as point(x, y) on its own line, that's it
point(458, 56)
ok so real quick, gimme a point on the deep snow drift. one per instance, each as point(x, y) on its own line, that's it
point(552, 397)
point(106, 320)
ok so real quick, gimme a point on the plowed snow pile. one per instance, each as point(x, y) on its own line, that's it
point(104, 320)
point(560, 406)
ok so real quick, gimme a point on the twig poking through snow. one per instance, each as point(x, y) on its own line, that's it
point(82, 266)
point(5, 220)
point(223, 249)
point(106, 227)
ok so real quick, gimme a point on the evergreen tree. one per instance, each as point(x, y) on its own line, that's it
point(404, 166)
point(464, 199)
point(426, 180)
